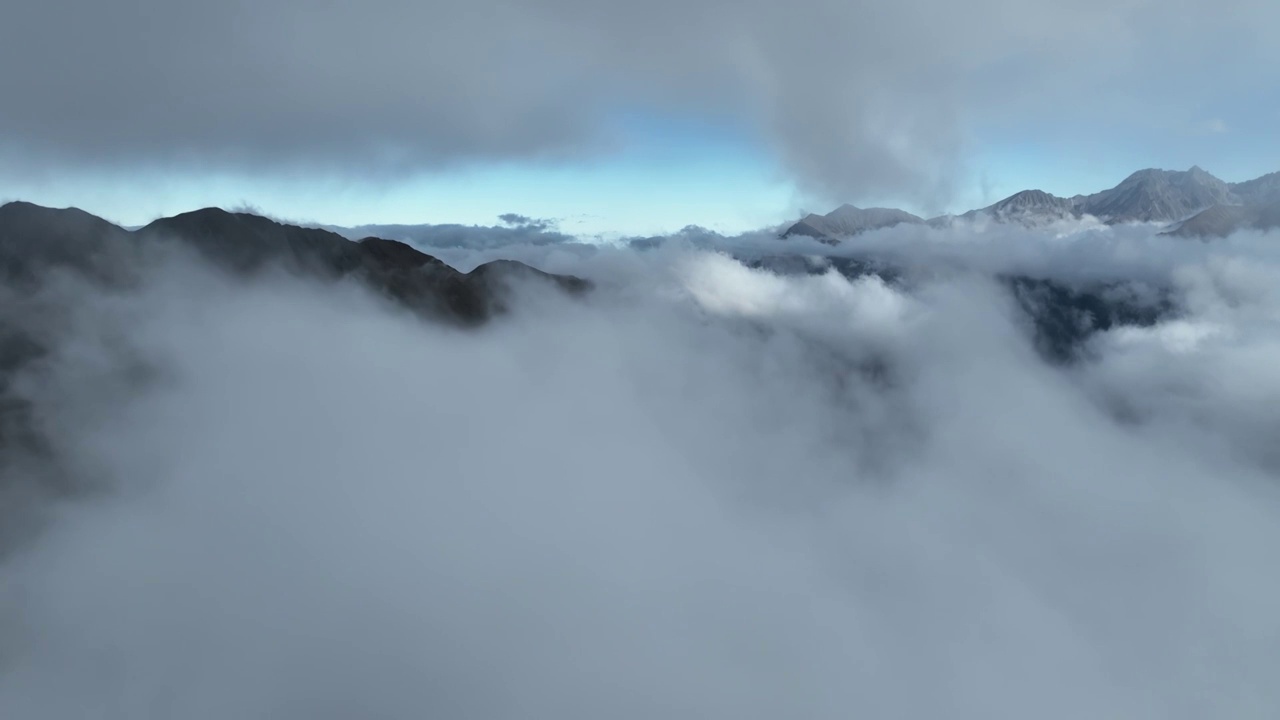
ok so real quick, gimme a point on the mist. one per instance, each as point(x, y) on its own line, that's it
point(704, 490)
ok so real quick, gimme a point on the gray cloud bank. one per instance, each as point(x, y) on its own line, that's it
point(856, 98)
point(703, 491)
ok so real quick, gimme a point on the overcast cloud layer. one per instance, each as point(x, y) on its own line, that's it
point(705, 491)
point(855, 98)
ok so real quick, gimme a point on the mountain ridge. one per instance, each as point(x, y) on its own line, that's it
point(34, 237)
point(1150, 195)
point(850, 220)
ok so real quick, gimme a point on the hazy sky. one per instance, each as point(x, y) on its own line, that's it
point(630, 117)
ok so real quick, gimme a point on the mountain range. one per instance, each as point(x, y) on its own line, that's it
point(1191, 203)
point(40, 246)
point(35, 238)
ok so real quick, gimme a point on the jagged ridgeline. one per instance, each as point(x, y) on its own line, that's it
point(34, 239)
point(1190, 203)
point(38, 245)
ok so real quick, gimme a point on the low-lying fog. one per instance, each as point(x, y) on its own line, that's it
point(702, 491)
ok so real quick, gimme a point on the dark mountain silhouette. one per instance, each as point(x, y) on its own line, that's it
point(34, 238)
point(37, 244)
point(848, 220)
point(246, 243)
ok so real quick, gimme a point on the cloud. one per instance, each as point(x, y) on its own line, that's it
point(518, 220)
point(856, 99)
point(516, 230)
point(706, 491)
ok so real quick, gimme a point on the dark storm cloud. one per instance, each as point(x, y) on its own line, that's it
point(852, 96)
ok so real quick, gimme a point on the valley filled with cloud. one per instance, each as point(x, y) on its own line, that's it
point(925, 472)
point(602, 360)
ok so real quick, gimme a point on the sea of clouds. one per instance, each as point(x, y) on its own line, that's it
point(703, 491)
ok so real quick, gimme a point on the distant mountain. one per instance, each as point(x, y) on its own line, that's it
point(1259, 191)
point(1146, 196)
point(1158, 196)
point(847, 220)
point(1214, 221)
point(1223, 220)
point(1255, 206)
point(1268, 217)
point(1029, 207)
